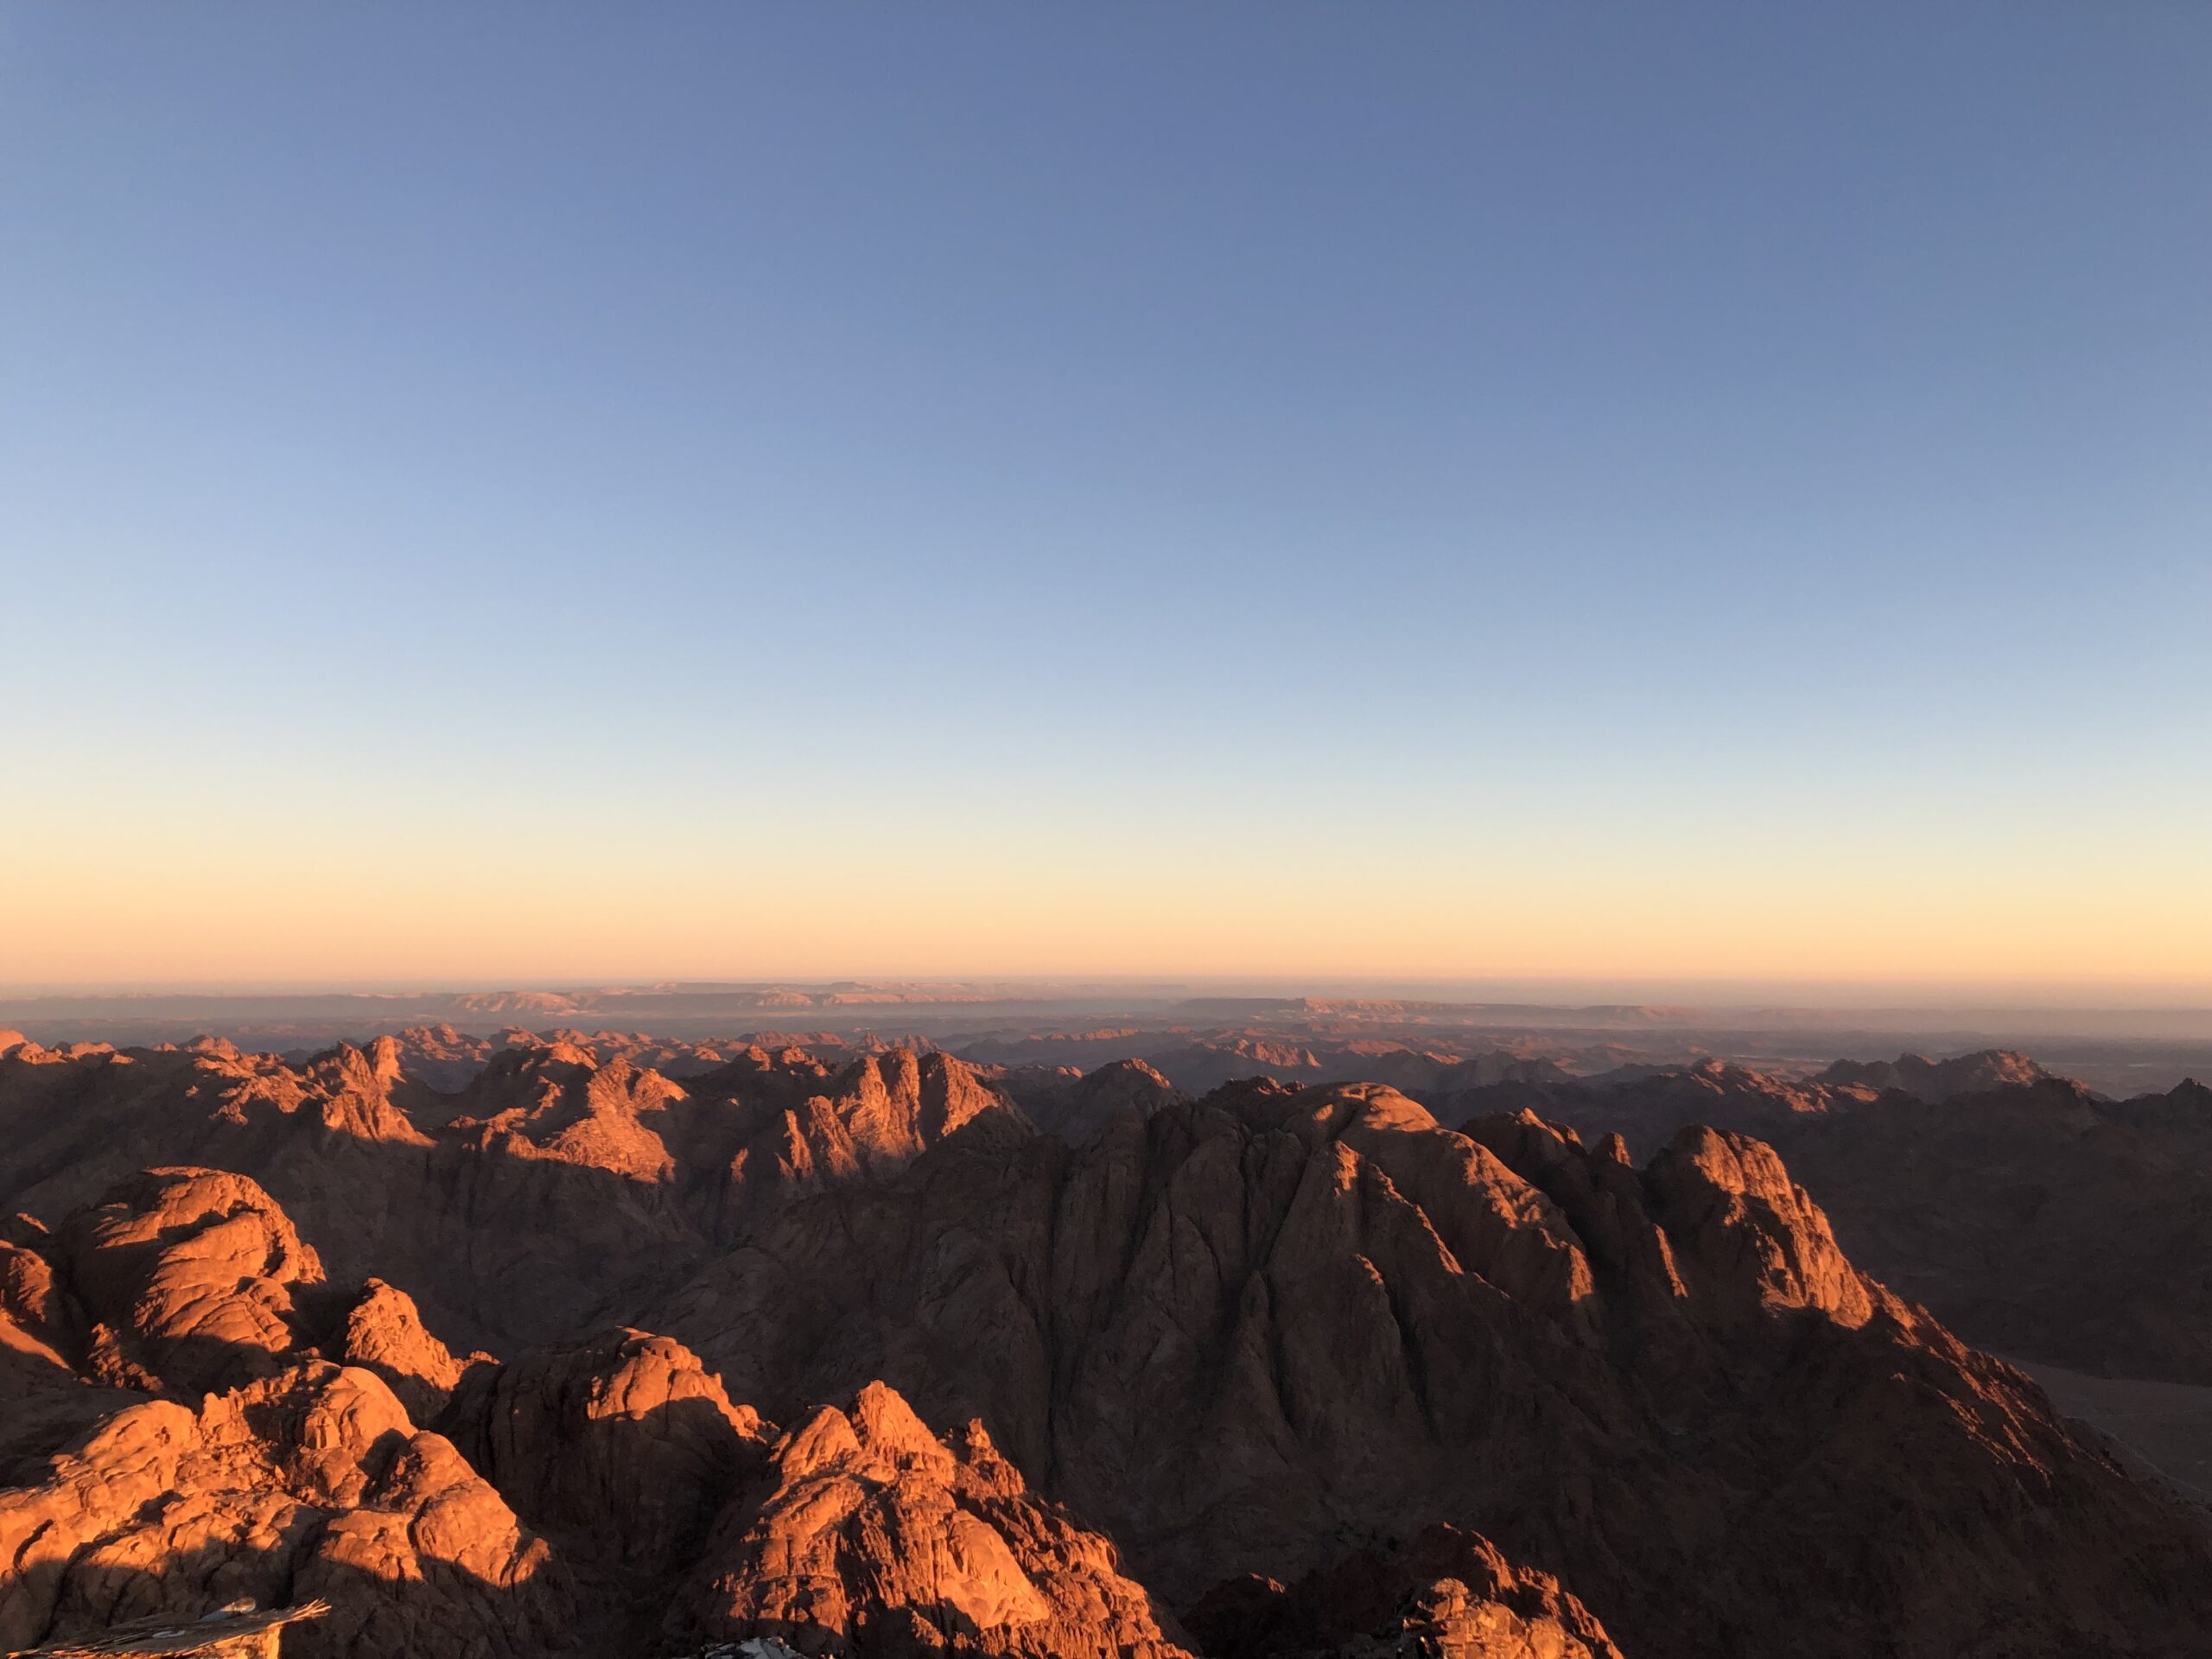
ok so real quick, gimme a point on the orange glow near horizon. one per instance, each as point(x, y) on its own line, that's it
point(294, 903)
point(1104, 503)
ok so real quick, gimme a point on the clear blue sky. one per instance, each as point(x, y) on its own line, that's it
point(981, 467)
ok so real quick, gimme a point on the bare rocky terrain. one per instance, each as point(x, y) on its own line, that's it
point(618, 1343)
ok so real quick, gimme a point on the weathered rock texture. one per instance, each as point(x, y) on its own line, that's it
point(238, 1631)
point(877, 1540)
point(194, 1276)
point(386, 1333)
point(1247, 1334)
point(311, 1482)
point(623, 1447)
point(1501, 1391)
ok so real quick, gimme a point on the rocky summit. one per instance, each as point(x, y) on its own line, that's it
point(555, 1344)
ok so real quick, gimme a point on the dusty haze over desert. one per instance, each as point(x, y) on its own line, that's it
point(1156, 831)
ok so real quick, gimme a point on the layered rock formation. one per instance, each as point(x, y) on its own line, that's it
point(1329, 1377)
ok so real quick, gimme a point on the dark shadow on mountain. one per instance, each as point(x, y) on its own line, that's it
point(446, 1614)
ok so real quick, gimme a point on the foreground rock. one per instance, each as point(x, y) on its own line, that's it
point(192, 1276)
point(877, 1540)
point(235, 1632)
point(1330, 1376)
point(311, 1484)
point(623, 1447)
point(1450, 1595)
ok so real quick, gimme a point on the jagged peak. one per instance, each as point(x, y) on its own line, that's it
point(1752, 1235)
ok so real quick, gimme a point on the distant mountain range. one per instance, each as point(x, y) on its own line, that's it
point(2116, 1051)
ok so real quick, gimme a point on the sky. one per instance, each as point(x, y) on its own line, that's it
point(522, 493)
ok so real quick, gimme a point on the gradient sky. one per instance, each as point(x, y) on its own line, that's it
point(528, 492)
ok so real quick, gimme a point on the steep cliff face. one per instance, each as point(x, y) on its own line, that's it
point(1247, 1334)
point(41, 1327)
point(2034, 1217)
point(384, 1332)
point(622, 1447)
point(2038, 1219)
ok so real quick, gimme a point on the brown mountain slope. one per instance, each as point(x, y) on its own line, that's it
point(1936, 1081)
point(2038, 1219)
point(552, 1195)
point(859, 1534)
point(2033, 1216)
point(1270, 1337)
point(1234, 1335)
point(1078, 1106)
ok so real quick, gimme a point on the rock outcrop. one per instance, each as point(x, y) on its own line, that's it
point(876, 1540)
point(195, 1277)
point(557, 1189)
point(2037, 1219)
point(2033, 1216)
point(623, 1447)
point(1449, 1595)
point(1078, 1107)
point(1337, 1380)
point(386, 1333)
point(310, 1483)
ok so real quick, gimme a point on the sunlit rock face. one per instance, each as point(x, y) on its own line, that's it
point(383, 1332)
point(312, 1482)
point(2033, 1216)
point(192, 1276)
point(883, 1359)
point(1449, 1594)
point(873, 1537)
